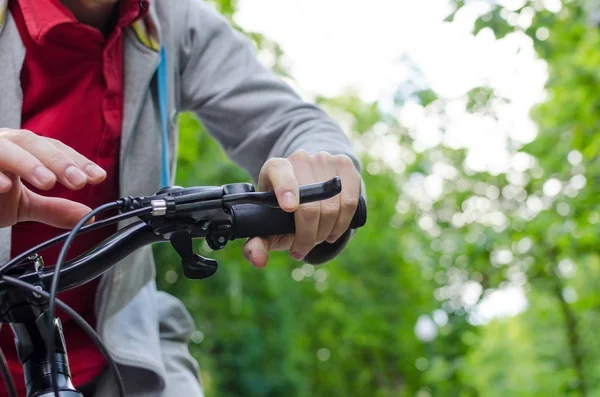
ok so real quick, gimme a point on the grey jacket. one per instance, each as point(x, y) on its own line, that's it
point(212, 71)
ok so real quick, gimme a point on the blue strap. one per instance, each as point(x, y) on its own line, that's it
point(162, 103)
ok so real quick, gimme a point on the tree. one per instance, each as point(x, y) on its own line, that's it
point(399, 312)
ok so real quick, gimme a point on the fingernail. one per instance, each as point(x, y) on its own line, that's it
point(94, 171)
point(288, 199)
point(331, 239)
point(75, 176)
point(297, 255)
point(43, 175)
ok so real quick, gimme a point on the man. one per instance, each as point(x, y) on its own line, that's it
point(80, 125)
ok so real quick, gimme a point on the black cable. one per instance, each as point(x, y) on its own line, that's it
point(69, 237)
point(94, 226)
point(8, 380)
point(112, 365)
point(56, 240)
point(54, 286)
point(65, 236)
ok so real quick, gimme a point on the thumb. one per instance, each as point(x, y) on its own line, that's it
point(256, 250)
point(53, 211)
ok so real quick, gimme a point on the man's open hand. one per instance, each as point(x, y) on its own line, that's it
point(42, 162)
point(315, 222)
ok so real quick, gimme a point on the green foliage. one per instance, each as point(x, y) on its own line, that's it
point(426, 97)
point(439, 240)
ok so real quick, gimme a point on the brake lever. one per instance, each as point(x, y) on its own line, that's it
point(195, 266)
point(181, 214)
point(308, 193)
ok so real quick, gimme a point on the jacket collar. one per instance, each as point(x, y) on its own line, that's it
point(42, 17)
point(142, 45)
point(146, 29)
point(3, 11)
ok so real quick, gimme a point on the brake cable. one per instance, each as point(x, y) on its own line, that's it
point(8, 380)
point(93, 335)
point(183, 214)
point(62, 237)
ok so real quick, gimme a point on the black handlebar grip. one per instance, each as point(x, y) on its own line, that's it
point(252, 220)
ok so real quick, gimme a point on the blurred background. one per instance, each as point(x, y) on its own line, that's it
point(476, 275)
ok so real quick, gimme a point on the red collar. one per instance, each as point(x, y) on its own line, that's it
point(41, 16)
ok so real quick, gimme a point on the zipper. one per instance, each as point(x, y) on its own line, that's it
point(105, 287)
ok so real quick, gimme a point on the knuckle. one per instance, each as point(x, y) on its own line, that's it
point(281, 174)
point(343, 161)
point(272, 168)
point(26, 133)
point(22, 136)
point(273, 162)
point(283, 182)
point(349, 204)
point(58, 160)
point(27, 167)
point(29, 164)
point(8, 134)
point(55, 142)
point(276, 165)
point(66, 150)
point(323, 157)
point(299, 155)
point(324, 161)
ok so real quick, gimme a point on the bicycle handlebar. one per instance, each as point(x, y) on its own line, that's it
point(254, 220)
point(219, 214)
point(96, 262)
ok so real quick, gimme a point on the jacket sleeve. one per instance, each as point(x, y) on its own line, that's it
point(249, 110)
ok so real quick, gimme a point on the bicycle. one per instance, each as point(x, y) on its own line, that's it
point(174, 214)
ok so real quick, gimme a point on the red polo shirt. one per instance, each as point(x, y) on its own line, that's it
point(72, 80)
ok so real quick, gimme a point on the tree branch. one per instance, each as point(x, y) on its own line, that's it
point(575, 347)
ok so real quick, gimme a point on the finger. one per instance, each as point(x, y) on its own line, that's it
point(282, 242)
point(5, 183)
point(53, 211)
point(349, 196)
point(256, 251)
point(278, 175)
point(56, 160)
point(20, 162)
point(323, 167)
point(307, 216)
point(94, 172)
